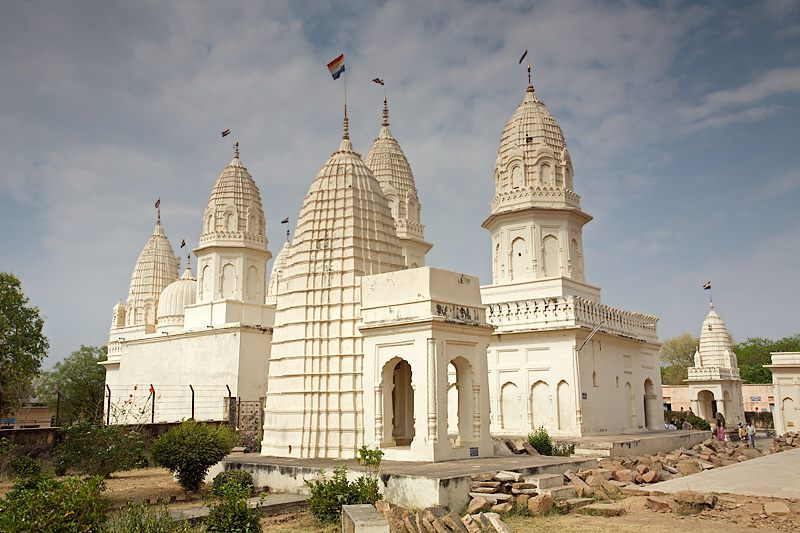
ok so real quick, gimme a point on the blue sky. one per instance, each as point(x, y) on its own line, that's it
point(682, 119)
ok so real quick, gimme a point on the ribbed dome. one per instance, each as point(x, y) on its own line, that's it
point(156, 268)
point(277, 271)
point(533, 166)
point(715, 344)
point(175, 298)
point(345, 231)
point(234, 210)
point(388, 163)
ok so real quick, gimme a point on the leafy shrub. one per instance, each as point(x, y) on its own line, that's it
point(190, 449)
point(541, 441)
point(45, 505)
point(5, 451)
point(241, 478)
point(328, 495)
point(232, 513)
point(25, 466)
point(142, 518)
point(93, 448)
point(700, 423)
point(563, 449)
point(251, 441)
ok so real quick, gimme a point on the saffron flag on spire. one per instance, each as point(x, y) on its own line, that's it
point(285, 220)
point(158, 203)
point(183, 243)
point(226, 132)
point(523, 56)
point(707, 286)
point(378, 81)
point(336, 67)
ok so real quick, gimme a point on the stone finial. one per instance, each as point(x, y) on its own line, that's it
point(345, 128)
point(236, 150)
point(385, 113)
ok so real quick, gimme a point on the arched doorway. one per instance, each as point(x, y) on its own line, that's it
point(402, 404)
point(541, 405)
point(510, 406)
point(566, 413)
point(790, 417)
point(462, 398)
point(651, 407)
point(706, 405)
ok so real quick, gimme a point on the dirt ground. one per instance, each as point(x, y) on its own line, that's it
point(733, 514)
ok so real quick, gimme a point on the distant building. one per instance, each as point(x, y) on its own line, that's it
point(756, 397)
point(785, 369)
point(30, 415)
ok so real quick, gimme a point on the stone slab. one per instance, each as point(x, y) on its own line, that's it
point(645, 443)
point(363, 519)
point(546, 481)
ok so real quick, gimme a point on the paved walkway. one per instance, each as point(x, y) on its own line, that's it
point(270, 504)
point(776, 475)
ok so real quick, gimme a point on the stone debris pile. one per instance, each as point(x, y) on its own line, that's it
point(504, 490)
point(438, 520)
point(785, 442)
point(642, 470)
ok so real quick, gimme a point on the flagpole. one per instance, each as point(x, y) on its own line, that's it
point(344, 80)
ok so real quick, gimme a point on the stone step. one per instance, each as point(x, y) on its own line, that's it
point(564, 491)
point(546, 481)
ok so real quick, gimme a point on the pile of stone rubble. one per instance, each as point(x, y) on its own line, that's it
point(438, 520)
point(785, 442)
point(710, 454)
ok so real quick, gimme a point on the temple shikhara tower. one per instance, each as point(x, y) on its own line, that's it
point(542, 372)
point(354, 340)
point(714, 383)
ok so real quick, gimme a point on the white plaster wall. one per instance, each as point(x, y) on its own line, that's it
point(207, 359)
point(785, 369)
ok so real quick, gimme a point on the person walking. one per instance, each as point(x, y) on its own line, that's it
point(686, 426)
point(742, 433)
point(720, 431)
point(751, 434)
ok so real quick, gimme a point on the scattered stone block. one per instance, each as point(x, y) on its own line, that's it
point(687, 467)
point(635, 490)
point(574, 503)
point(411, 523)
point(603, 472)
point(483, 484)
point(491, 498)
point(471, 525)
point(602, 509)
point(564, 491)
point(486, 490)
point(522, 500)
point(776, 509)
point(498, 525)
point(545, 481)
point(453, 522)
point(658, 504)
point(651, 477)
point(477, 505)
point(486, 476)
point(581, 487)
point(364, 519)
point(505, 475)
point(395, 519)
point(511, 446)
point(502, 507)
point(529, 449)
point(540, 504)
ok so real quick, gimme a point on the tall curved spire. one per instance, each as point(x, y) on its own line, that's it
point(156, 268)
point(389, 164)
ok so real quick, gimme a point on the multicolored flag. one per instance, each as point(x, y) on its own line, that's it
point(523, 56)
point(183, 243)
point(285, 220)
point(378, 81)
point(336, 67)
point(226, 132)
point(158, 203)
point(707, 286)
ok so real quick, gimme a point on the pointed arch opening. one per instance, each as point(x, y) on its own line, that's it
point(510, 406)
point(541, 406)
point(566, 412)
point(397, 399)
point(520, 259)
point(551, 260)
point(460, 395)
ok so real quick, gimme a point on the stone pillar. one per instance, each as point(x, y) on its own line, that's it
point(379, 414)
point(476, 411)
point(432, 387)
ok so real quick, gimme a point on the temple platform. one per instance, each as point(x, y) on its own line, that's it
point(409, 483)
point(646, 443)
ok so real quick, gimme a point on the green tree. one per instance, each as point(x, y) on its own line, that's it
point(81, 380)
point(679, 350)
point(22, 344)
point(674, 375)
point(754, 353)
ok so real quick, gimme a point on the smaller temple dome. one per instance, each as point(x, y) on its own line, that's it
point(156, 268)
point(175, 298)
point(715, 344)
point(234, 207)
point(277, 270)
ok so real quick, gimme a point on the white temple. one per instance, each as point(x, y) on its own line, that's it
point(354, 341)
point(542, 372)
point(714, 383)
point(785, 369)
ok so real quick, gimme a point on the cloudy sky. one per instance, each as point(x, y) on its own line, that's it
point(682, 119)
